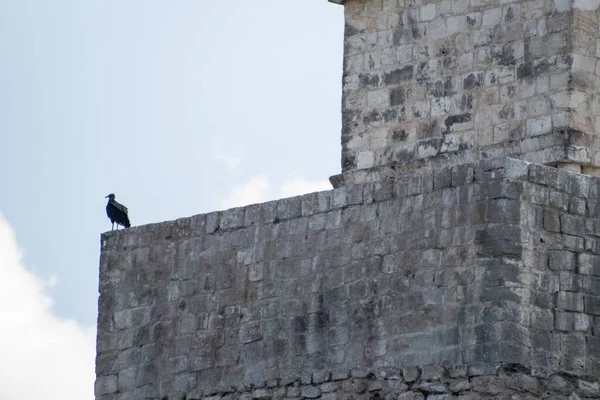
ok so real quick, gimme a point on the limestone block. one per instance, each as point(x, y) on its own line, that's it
point(106, 385)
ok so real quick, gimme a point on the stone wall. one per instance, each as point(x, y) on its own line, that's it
point(434, 270)
point(493, 263)
point(433, 382)
point(562, 231)
point(454, 81)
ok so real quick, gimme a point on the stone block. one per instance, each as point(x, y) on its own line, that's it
point(559, 200)
point(145, 392)
point(592, 227)
point(340, 374)
point(212, 222)
point(310, 204)
point(250, 332)
point(252, 214)
point(457, 371)
point(329, 387)
point(411, 374)
point(503, 189)
point(562, 260)
point(183, 383)
point(543, 300)
point(572, 282)
point(503, 210)
point(442, 179)
point(588, 264)
point(573, 346)
point(577, 206)
point(581, 323)
point(375, 386)
point(431, 387)
point(338, 198)
point(588, 389)
point(105, 385)
point(525, 383)
point(383, 190)
point(360, 372)
point(497, 240)
point(411, 396)
point(355, 385)
point(574, 184)
point(542, 320)
point(539, 126)
point(563, 321)
point(432, 372)
point(390, 373)
point(289, 208)
point(462, 175)
point(560, 384)
point(551, 220)
point(498, 274)
point(570, 301)
point(487, 385)
point(460, 386)
point(232, 218)
point(592, 245)
point(592, 305)
point(572, 225)
point(539, 195)
point(481, 369)
point(310, 392)
point(573, 243)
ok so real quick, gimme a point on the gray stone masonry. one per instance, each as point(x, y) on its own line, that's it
point(438, 268)
point(433, 83)
point(432, 382)
point(474, 281)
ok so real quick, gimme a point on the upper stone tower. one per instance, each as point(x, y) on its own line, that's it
point(455, 81)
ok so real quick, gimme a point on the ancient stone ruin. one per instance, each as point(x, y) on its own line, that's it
point(457, 257)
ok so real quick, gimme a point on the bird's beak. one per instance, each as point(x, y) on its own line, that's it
point(105, 197)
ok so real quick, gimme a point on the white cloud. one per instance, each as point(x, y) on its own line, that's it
point(232, 157)
point(298, 186)
point(259, 189)
point(256, 190)
point(41, 355)
point(230, 160)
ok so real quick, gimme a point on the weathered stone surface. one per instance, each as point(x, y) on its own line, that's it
point(506, 384)
point(437, 268)
point(414, 281)
point(106, 385)
point(411, 396)
point(310, 392)
point(428, 85)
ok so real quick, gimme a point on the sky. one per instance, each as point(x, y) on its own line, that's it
point(179, 108)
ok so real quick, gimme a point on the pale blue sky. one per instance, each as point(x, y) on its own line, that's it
point(168, 104)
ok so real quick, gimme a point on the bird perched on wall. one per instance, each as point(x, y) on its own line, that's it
point(117, 213)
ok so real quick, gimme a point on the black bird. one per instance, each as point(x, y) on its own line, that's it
point(117, 213)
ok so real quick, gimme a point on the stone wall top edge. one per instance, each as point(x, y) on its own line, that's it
point(579, 5)
point(573, 183)
point(398, 186)
point(572, 153)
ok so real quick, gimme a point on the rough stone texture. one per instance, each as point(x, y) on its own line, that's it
point(434, 83)
point(435, 270)
point(509, 382)
point(395, 287)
